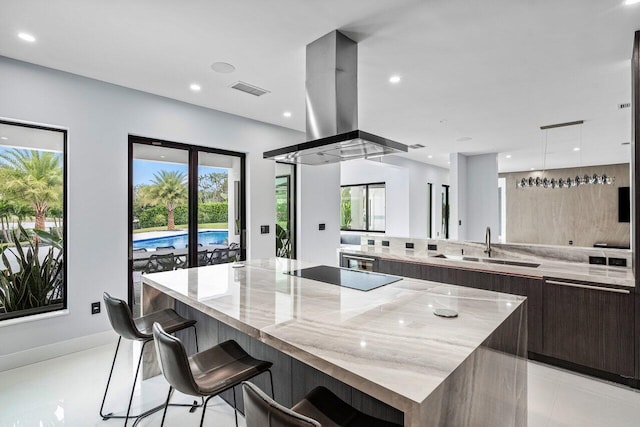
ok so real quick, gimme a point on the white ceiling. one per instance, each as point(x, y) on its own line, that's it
point(494, 71)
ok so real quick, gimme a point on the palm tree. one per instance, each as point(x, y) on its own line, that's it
point(34, 177)
point(168, 189)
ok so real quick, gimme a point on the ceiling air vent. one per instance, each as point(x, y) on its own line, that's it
point(250, 89)
point(625, 105)
point(416, 146)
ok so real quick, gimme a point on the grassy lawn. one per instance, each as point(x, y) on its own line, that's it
point(213, 225)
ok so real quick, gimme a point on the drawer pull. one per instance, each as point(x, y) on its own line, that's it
point(358, 258)
point(595, 288)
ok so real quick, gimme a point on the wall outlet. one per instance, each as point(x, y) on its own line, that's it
point(321, 227)
point(264, 229)
point(385, 243)
point(408, 245)
point(431, 247)
point(371, 242)
point(618, 262)
point(95, 307)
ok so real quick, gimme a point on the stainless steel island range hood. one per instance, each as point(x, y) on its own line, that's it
point(332, 109)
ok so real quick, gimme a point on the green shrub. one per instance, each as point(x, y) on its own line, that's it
point(213, 212)
point(156, 216)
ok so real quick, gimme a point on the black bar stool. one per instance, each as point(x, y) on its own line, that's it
point(319, 408)
point(207, 373)
point(139, 329)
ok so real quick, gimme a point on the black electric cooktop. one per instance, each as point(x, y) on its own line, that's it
point(354, 279)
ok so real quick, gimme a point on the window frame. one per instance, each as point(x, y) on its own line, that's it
point(64, 305)
point(368, 209)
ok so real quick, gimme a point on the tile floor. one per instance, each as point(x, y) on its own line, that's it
point(68, 391)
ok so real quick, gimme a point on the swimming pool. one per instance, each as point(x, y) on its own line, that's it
point(215, 237)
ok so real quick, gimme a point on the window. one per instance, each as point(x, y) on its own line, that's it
point(32, 220)
point(363, 207)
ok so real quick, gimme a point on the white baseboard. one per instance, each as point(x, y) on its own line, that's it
point(45, 352)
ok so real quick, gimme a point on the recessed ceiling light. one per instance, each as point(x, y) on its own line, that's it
point(508, 156)
point(394, 79)
point(287, 114)
point(4, 138)
point(532, 169)
point(195, 87)
point(27, 37)
point(223, 67)
point(630, 2)
point(464, 139)
point(430, 156)
point(576, 148)
point(162, 157)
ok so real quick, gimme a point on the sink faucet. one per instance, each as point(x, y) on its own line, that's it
point(487, 242)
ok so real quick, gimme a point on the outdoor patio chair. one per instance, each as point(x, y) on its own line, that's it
point(203, 258)
point(234, 251)
point(140, 264)
point(220, 256)
point(160, 262)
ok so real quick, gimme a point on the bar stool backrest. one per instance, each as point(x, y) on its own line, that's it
point(121, 318)
point(174, 362)
point(262, 411)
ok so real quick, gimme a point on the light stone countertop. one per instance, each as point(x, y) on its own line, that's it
point(386, 342)
point(617, 276)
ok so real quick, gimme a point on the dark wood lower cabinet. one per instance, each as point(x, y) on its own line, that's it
point(584, 324)
point(589, 325)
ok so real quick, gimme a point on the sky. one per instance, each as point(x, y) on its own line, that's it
point(143, 170)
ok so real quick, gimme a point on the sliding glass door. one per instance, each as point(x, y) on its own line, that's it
point(186, 208)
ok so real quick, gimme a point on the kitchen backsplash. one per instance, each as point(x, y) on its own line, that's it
point(498, 250)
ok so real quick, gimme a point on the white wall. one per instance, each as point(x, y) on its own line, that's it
point(458, 196)
point(474, 196)
point(319, 203)
point(419, 175)
point(406, 192)
point(482, 196)
point(99, 117)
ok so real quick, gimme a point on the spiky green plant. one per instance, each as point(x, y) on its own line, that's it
point(35, 283)
point(283, 242)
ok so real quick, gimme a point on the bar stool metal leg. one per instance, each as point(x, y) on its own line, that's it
point(148, 412)
point(106, 389)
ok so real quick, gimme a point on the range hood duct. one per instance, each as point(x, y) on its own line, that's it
point(332, 109)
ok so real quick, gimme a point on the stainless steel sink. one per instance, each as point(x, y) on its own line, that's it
point(489, 260)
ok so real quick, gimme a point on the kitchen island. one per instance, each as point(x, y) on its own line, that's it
point(383, 351)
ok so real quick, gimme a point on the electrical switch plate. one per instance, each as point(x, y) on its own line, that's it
point(95, 307)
